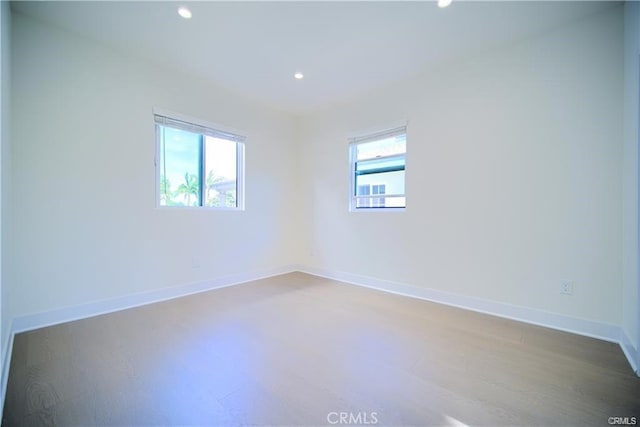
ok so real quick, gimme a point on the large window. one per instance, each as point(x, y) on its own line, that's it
point(378, 170)
point(197, 165)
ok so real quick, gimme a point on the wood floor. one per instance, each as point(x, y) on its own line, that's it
point(301, 350)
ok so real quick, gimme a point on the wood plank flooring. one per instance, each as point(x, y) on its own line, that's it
point(302, 350)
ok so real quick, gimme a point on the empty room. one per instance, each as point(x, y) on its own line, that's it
point(325, 213)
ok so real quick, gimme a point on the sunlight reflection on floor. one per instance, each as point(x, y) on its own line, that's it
point(450, 421)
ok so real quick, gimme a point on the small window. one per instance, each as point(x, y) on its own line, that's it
point(378, 170)
point(197, 165)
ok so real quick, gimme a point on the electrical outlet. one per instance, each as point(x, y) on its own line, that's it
point(566, 287)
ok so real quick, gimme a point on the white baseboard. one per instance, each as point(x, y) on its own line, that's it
point(629, 351)
point(533, 316)
point(6, 363)
point(537, 317)
point(589, 328)
point(68, 314)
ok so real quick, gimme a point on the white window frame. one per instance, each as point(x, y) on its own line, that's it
point(189, 124)
point(371, 137)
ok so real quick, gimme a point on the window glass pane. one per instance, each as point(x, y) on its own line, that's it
point(381, 202)
point(378, 168)
point(393, 182)
point(379, 189)
point(179, 167)
point(363, 203)
point(382, 147)
point(364, 190)
point(220, 172)
point(371, 202)
point(367, 165)
point(392, 202)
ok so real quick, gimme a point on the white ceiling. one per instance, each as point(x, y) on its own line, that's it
point(343, 48)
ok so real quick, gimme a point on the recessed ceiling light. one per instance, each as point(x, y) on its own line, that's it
point(443, 3)
point(298, 76)
point(184, 12)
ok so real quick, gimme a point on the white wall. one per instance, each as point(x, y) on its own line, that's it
point(84, 225)
point(5, 98)
point(513, 177)
point(630, 312)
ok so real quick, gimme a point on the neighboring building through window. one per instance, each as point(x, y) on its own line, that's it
point(367, 190)
point(378, 202)
point(364, 202)
point(198, 165)
point(378, 170)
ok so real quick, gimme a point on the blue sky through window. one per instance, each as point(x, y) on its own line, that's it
point(179, 156)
